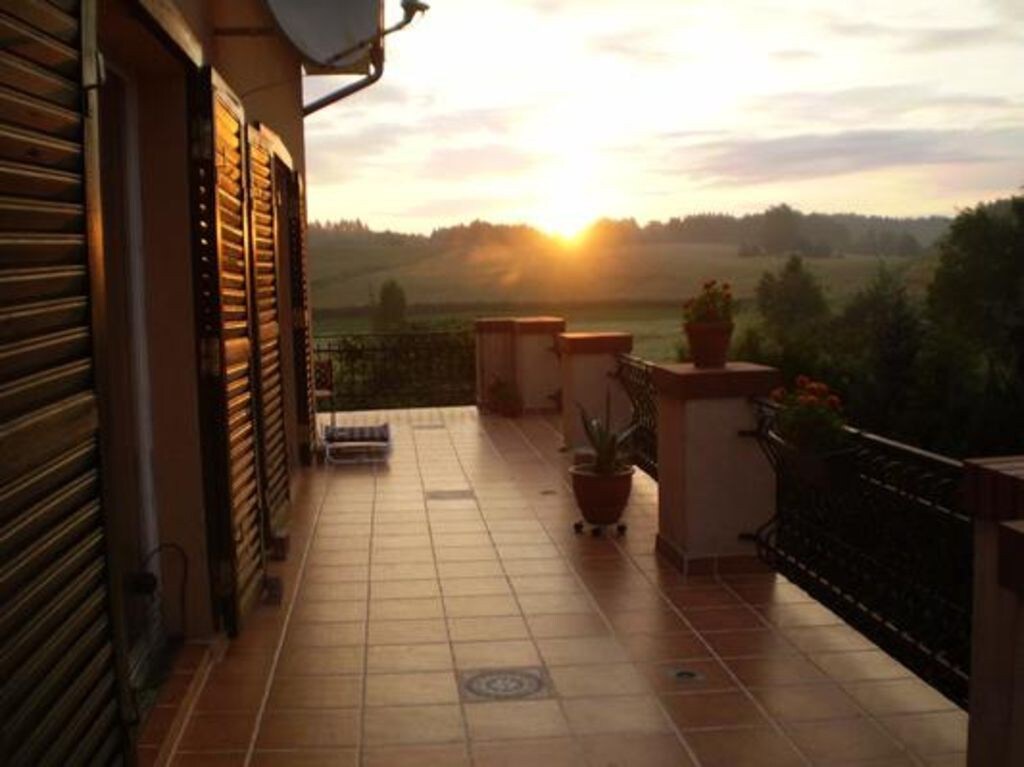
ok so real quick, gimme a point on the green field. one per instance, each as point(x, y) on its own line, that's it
point(635, 288)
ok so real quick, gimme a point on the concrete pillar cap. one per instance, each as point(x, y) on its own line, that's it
point(737, 379)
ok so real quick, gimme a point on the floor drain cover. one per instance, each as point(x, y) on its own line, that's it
point(449, 495)
point(684, 675)
point(504, 684)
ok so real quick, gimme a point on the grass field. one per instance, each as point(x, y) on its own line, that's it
point(637, 289)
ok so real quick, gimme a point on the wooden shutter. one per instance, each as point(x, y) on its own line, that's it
point(59, 660)
point(267, 330)
point(302, 343)
point(225, 326)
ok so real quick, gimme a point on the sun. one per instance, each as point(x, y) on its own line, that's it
point(567, 200)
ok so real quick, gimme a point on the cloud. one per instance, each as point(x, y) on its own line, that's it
point(928, 39)
point(822, 155)
point(484, 160)
point(643, 44)
point(794, 54)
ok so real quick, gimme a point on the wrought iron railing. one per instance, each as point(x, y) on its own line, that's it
point(635, 375)
point(393, 370)
point(879, 534)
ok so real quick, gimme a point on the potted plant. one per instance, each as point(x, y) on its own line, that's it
point(602, 482)
point(809, 431)
point(708, 324)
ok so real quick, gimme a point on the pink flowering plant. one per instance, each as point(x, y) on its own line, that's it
point(712, 304)
point(810, 416)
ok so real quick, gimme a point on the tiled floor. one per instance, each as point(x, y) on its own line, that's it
point(397, 584)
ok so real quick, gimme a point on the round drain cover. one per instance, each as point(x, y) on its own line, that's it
point(504, 684)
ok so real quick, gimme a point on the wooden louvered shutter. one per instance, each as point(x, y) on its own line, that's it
point(227, 370)
point(62, 675)
point(267, 330)
point(302, 343)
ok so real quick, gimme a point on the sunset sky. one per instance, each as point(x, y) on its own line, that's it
point(555, 112)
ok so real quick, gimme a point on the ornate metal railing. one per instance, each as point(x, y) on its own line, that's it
point(635, 375)
point(392, 370)
point(879, 534)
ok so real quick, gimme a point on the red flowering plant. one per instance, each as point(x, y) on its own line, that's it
point(712, 304)
point(810, 416)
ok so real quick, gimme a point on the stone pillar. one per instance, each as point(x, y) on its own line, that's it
point(713, 483)
point(495, 356)
point(538, 368)
point(589, 362)
point(994, 496)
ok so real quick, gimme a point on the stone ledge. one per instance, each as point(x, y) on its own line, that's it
point(737, 379)
point(539, 325)
point(994, 488)
point(595, 343)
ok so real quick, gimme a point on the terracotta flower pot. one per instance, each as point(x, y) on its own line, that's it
point(601, 497)
point(708, 342)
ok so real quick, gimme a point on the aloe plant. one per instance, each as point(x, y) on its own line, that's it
point(610, 453)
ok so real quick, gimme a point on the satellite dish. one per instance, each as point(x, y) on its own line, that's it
point(321, 29)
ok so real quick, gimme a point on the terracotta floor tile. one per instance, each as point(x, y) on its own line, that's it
point(552, 752)
point(586, 681)
point(573, 651)
point(304, 661)
point(315, 692)
point(947, 760)
point(317, 728)
point(325, 634)
point(554, 604)
point(722, 618)
point(467, 587)
point(231, 693)
point(748, 747)
point(412, 724)
point(930, 734)
point(515, 719)
point(158, 723)
point(566, 625)
point(483, 629)
point(860, 666)
point(402, 571)
point(765, 672)
point(771, 593)
point(383, 659)
point(660, 647)
point(843, 739)
point(329, 592)
point(406, 609)
point(535, 566)
point(444, 755)
point(226, 731)
point(615, 714)
point(687, 676)
point(407, 631)
point(807, 702)
point(495, 654)
point(749, 644)
point(336, 574)
point(482, 569)
point(544, 584)
point(329, 612)
point(415, 688)
point(654, 621)
point(798, 615)
point(466, 554)
point(903, 696)
point(403, 556)
point(470, 607)
point(331, 758)
point(626, 750)
point(417, 589)
point(208, 759)
point(712, 709)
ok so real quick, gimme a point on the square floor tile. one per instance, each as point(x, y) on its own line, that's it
point(746, 747)
point(930, 734)
point(552, 604)
point(662, 647)
point(567, 625)
point(766, 672)
point(515, 719)
point(573, 651)
point(807, 702)
point(712, 709)
point(615, 714)
point(843, 740)
point(465, 554)
point(902, 696)
point(441, 755)
point(694, 675)
point(418, 589)
point(588, 681)
point(749, 644)
point(303, 661)
point(414, 657)
point(315, 692)
point(406, 609)
point(467, 607)
point(628, 750)
point(495, 654)
point(546, 752)
point(329, 612)
point(329, 592)
point(487, 628)
point(860, 666)
point(412, 724)
point(465, 587)
point(348, 757)
point(414, 688)
point(479, 569)
point(407, 631)
point(309, 729)
point(219, 731)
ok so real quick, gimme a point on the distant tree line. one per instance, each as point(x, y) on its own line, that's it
point(778, 230)
point(947, 375)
